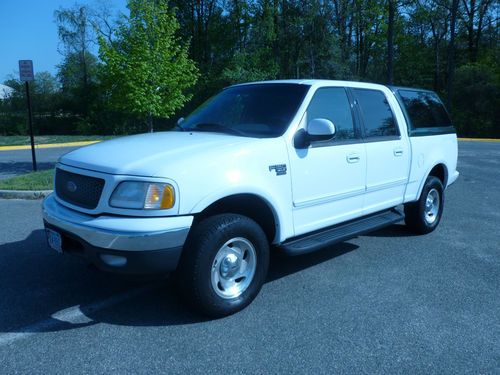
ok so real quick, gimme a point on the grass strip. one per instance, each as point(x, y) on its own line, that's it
point(21, 140)
point(42, 180)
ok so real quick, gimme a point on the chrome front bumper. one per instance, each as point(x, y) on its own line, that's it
point(131, 238)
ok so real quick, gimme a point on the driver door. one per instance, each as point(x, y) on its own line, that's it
point(328, 177)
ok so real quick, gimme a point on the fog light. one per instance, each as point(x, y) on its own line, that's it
point(114, 260)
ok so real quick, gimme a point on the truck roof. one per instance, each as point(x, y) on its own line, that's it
point(317, 82)
point(395, 88)
point(329, 82)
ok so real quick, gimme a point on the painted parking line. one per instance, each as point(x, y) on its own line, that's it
point(73, 315)
point(48, 145)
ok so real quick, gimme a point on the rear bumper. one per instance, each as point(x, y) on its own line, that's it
point(119, 244)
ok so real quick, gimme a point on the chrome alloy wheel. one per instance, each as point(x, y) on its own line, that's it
point(432, 204)
point(233, 268)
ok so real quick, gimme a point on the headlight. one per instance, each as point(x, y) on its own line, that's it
point(143, 195)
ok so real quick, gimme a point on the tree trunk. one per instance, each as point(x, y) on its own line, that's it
point(436, 65)
point(390, 42)
point(450, 69)
point(150, 123)
point(470, 30)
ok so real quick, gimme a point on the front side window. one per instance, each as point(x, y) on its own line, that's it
point(377, 114)
point(424, 109)
point(332, 103)
point(256, 110)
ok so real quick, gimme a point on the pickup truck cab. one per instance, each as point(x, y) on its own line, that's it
point(295, 164)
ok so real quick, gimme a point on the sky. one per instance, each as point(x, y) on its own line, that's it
point(28, 32)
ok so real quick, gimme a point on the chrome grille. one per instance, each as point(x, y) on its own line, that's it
point(77, 189)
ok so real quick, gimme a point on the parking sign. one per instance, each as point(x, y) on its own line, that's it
point(26, 70)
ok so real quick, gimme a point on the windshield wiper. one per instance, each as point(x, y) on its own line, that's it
point(207, 126)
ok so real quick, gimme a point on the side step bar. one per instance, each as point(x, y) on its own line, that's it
point(340, 232)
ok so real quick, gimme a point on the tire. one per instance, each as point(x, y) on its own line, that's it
point(224, 264)
point(424, 215)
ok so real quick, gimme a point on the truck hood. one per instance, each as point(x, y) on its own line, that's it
point(147, 154)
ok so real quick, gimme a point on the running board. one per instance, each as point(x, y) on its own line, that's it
point(340, 232)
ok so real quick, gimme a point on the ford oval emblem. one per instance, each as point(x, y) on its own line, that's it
point(71, 186)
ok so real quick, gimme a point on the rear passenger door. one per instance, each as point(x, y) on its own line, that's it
point(387, 151)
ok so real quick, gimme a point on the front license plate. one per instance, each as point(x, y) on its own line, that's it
point(54, 239)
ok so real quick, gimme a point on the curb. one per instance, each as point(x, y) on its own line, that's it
point(24, 194)
point(48, 145)
point(479, 139)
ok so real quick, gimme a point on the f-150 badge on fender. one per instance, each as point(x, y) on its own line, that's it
point(280, 169)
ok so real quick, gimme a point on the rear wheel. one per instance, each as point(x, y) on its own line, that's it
point(224, 264)
point(424, 215)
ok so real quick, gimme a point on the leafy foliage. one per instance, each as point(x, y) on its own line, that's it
point(478, 97)
point(146, 68)
point(167, 57)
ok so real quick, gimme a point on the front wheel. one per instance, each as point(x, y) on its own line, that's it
point(424, 215)
point(224, 264)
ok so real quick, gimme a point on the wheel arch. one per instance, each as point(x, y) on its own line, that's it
point(251, 205)
point(439, 170)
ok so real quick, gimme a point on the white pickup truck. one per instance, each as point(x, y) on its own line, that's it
point(296, 164)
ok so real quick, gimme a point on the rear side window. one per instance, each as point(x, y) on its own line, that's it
point(377, 114)
point(424, 109)
point(332, 104)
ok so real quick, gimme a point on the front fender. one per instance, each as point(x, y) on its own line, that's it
point(279, 207)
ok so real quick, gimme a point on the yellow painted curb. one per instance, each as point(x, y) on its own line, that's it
point(48, 145)
point(85, 143)
point(479, 139)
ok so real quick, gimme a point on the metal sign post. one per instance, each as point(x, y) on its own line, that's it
point(26, 75)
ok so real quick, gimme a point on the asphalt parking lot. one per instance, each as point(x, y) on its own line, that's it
point(388, 302)
point(14, 162)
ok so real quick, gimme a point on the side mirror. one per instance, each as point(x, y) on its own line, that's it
point(318, 129)
point(180, 121)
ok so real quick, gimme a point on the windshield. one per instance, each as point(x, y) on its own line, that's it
point(259, 110)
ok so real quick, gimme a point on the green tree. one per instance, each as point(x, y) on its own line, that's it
point(44, 92)
point(78, 84)
point(77, 72)
point(477, 100)
point(146, 69)
point(255, 60)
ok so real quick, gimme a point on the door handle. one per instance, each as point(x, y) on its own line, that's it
point(353, 158)
point(398, 152)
